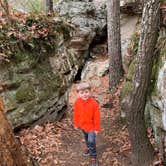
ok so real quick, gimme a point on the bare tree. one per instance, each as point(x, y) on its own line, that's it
point(5, 8)
point(140, 3)
point(142, 149)
point(11, 153)
point(49, 6)
point(114, 42)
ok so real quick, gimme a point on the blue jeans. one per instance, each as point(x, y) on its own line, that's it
point(90, 140)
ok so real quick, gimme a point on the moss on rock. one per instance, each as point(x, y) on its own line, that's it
point(157, 65)
point(131, 50)
point(131, 70)
point(125, 90)
point(153, 110)
point(25, 93)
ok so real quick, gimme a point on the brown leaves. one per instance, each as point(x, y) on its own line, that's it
point(59, 144)
point(42, 142)
point(26, 32)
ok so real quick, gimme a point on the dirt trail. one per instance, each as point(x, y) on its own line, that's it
point(112, 145)
point(58, 144)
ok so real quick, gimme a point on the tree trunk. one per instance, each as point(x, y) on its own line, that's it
point(114, 42)
point(49, 6)
point(142, 149)
point(11, 153)
point(140, 4)
point(5, 7)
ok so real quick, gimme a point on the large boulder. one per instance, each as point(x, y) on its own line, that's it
point(34, 88)
point(91, 22)
point(92, 69)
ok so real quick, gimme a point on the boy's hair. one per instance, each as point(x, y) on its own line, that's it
point(83, 85)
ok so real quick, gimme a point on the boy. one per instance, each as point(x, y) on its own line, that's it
point(87, 118)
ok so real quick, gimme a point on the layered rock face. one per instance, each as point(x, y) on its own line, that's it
point(156, 105)
point(155, 111)
point(34, 89)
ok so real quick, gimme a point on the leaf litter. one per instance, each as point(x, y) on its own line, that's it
point(59, 144)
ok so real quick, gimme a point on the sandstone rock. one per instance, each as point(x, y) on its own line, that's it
point(92, 69)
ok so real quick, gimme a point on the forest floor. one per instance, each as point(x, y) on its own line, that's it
point(59, 144)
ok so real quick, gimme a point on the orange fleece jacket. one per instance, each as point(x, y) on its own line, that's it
point(86, 114)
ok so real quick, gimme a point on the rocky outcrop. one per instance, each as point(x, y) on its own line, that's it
point(156, 105)
point(34, 88)
point(128, 38)
point(92, 69)
point(155, 114)
point(91, 22)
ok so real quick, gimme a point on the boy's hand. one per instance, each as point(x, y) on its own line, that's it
point(75, 128)
point(96, 132)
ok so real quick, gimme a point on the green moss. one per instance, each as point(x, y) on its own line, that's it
point(48, 33)
point(153, 115)
point(132, 50)
point(155, 69)
point(134, 44)
point(18, 56)
point(21, 57)
point(49, 83)
point(122, 121)
point(147, 115)
point(29, 105)
point(157, 64)
point(125, 90)
point(25, 94)
point(131, 70)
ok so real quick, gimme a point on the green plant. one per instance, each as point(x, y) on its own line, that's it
point(38, 34)
point(134, 43)
point(36, 6)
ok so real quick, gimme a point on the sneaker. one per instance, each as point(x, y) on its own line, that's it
point(86, 152)
point(94, 162)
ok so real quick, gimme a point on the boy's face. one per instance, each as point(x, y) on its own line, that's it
point(84, 94)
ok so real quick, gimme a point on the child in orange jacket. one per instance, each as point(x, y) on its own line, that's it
point(87, 118)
